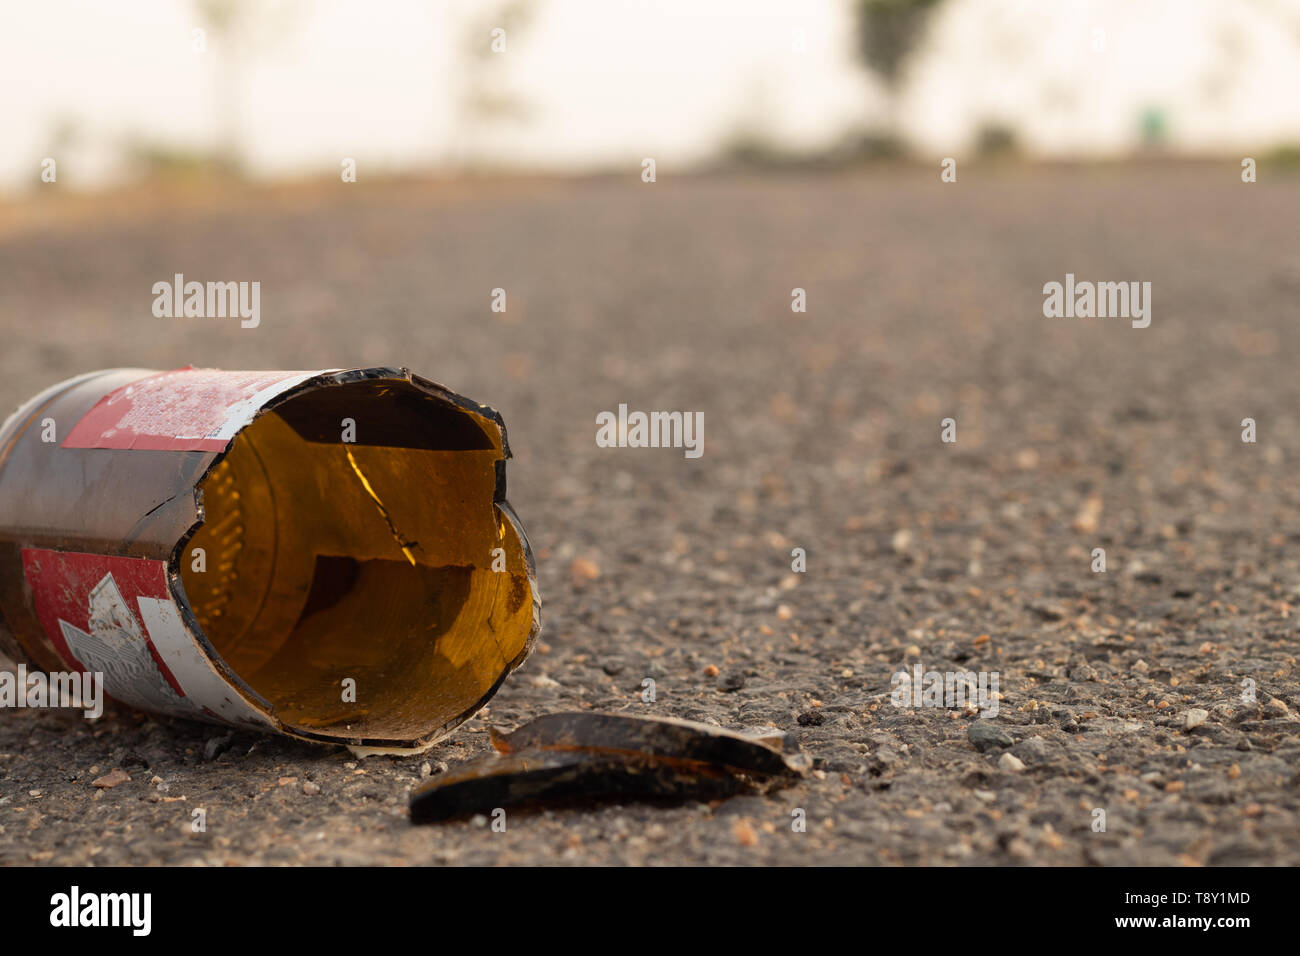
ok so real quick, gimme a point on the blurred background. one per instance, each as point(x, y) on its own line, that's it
point(285, 88)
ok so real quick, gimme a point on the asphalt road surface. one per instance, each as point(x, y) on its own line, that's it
point(1151, 710)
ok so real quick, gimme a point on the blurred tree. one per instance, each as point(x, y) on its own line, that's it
point(888, 32)
point(224, 20)
point(235, 30)
point(485, 96)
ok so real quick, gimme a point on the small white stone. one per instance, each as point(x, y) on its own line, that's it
point(1010, 762)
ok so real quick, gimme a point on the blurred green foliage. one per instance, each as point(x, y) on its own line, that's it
point(888, 31)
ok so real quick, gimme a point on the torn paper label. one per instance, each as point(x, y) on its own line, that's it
point(185, 410)
point(115, 616)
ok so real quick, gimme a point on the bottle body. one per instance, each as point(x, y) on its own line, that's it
point(324, 554)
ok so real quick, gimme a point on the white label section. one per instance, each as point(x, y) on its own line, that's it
point(192, 668)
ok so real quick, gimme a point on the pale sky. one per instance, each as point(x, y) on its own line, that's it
point(606, 82)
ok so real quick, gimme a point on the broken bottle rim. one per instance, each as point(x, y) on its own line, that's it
point(325, 554)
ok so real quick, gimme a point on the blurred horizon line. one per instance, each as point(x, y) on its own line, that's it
point(282, 90)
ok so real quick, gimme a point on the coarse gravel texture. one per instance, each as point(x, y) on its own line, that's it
point(822, 432)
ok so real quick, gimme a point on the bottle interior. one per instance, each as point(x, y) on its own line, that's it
point(368, 589)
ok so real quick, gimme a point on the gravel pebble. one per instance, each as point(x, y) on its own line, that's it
point(986, 736)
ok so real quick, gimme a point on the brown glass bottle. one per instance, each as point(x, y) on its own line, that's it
point(324, 554)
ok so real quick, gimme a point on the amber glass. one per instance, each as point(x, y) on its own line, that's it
point(320, 560)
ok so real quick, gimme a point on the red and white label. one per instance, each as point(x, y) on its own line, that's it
point(186, 410)
point(115, 616)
